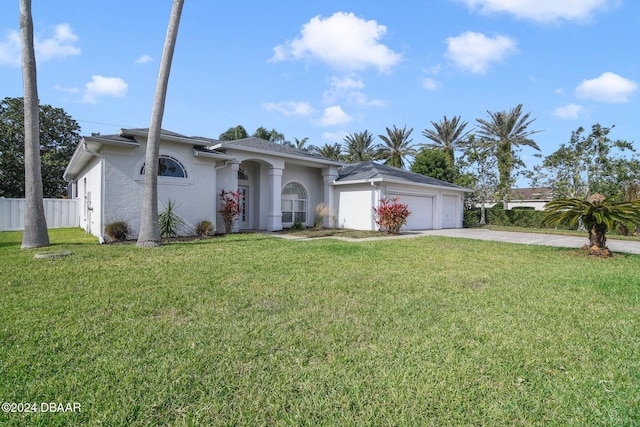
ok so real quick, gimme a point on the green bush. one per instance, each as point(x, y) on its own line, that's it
point(204, 228)
point(471, 217)
point(117, 231)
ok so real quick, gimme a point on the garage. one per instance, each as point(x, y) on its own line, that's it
point(433, 204)
point(421, 208)
point(450, 211)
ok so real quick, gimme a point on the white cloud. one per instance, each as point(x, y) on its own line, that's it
point(475, 51)
point(609, 87)
point(59, 46)
point(334, 137)
point(10, 49)
point(334, 116)
point(143, 59)
point(347, 88)
point(71, 90)
point(569, 111)
point(343, 40)
point(289, 108)
point(543, 10)
point(104, 86)
point(431, 84)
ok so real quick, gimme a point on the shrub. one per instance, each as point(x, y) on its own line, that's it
point(298, 225)
point(204, 228)
point(117, 231)
point(391, 215)
point(471, 217)
point(169, 220)
point(230, 208)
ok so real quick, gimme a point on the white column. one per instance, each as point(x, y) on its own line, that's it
point(274, 217)
point(329, 175)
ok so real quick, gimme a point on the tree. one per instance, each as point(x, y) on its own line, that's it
point(397, 146)
point(507, 130)
point(233, 134)
point(598, 213)
point(588, 164)
point(359, 147)
point(35, 224)
point(434, 162)
point(300, 144)
point(329, 151)
point(447, 135)
point(479, 163)
point(269, 135)
point(149, 231)
point(59, 135)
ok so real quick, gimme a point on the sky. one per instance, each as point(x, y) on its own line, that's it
point(324, 69)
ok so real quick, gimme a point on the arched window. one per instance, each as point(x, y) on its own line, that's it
point(294, 203)
point(168, 166)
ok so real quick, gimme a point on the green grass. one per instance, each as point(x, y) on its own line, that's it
point(255, 330)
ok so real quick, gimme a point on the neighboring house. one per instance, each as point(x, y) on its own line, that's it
point(281, 185)
point(534, 198)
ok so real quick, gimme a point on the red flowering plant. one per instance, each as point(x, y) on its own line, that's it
point(230, 208)
point(391, 215)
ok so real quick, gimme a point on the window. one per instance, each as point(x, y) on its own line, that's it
point(294, 203)
point(168, 166)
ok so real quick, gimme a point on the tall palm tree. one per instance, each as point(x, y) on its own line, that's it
point(598, 214)
point(300, 144)
point(35, 224)
point(507, 130)
point(359, 147)
point(397, 146)
point(329, 151)
point(149, 230)
point(447, 135)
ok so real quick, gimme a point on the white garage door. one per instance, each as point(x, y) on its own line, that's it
point(449, 211)
point(421, 208)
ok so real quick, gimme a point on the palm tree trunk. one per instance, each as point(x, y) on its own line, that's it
point(35, 224)
point(597, 237)
point(149, 231)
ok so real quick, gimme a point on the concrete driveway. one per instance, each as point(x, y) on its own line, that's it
point(630, 247)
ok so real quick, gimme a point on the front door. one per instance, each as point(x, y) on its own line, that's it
point(243, 221)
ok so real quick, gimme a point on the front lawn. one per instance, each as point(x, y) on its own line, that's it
point(252, 329)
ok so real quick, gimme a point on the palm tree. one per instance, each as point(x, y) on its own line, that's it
point(507, 130)
point(300, 143)
point(35, 224)
point(599, 214)
point(269, 135)
point(329, 151)
point(359, 147)
point(397, 146)
point(233, 134)
point(149, 230)
point(447, 135)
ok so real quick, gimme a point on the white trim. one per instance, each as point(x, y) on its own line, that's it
point(137, 176)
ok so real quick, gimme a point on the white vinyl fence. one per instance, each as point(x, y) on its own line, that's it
point(60, 213)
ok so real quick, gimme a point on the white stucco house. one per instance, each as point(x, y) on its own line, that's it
point(281, 184)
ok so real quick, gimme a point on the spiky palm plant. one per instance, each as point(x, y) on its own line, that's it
point(447, 135)
point(359, 147)
point(599, 214)
point(397, 146)
point(507, 130)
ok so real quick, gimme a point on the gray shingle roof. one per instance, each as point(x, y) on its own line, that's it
point(264, 145)
point(365, 171)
